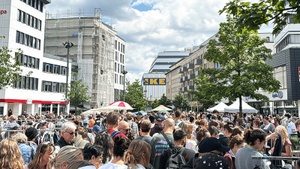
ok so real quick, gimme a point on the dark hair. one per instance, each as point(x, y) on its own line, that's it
point(236, 131)
point(120, 146)
point(104, 139)
point(177, 113)
point(192, 118)
point(251, 135)
point(256, 122)
point(179, 135)
point(201, 134)
point(112, 118)
point(145, 126)
point(235, 140)
point(213, 123)
point(213, 130)
point(78, 164)
point(228, 127)
point(90, 150)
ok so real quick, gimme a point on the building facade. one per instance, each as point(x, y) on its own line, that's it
point(43, 79)
point(98, 52)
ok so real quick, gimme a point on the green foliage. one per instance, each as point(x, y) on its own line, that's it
point(243, 71)
point(253, 15)
point(9, 67)
point(155, 104)
point(164, 100)
point(78, 94)
point(135, 96)
point(180, 102)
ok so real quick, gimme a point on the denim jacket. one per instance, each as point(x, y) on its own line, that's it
point(26, 151)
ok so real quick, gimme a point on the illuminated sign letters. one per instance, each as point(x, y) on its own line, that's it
point(154, 81)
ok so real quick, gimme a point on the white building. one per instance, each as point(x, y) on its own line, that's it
point(43, 79)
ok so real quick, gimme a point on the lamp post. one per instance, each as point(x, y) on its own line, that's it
point(67, 45)
point(124, 72)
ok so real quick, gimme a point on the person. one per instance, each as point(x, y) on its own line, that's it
point(67, 135)
point(267, 126)
point(120, 146)
point(157, 128)
point(93, 154)
point(134, 127)
point(191, 144)
point(81, 138)
point(145, 127)
point(10, 155)
point(211, 161)
point(91, 122)
point(112, 122)
point(162, 141)
point(84, 120)
point(104, 140)
point(66, 156)
point(256, 140)
point(180, 139)
point(235, 143)
point(124, 128)
point(138, 154)
point(202, 133)
point(177, 117)
point(81, 164)
point(286, 143)
point(41, 160)
point(12, 122)
point(26, 150)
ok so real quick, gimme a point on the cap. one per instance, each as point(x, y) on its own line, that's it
point(209, 144)
point(211, 161)
point(159, 118)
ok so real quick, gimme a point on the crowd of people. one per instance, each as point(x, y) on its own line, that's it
point(123, 140)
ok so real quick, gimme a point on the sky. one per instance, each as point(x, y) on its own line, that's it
point(151, 26)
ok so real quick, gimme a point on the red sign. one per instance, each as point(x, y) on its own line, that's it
point(299, 72)
point(2, 12)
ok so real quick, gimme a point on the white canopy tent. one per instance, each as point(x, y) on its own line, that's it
point(235, 107)
point(219, 107)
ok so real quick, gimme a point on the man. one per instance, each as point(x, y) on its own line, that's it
point(145, 131)
point(85, 120)
point(112, 122)
point(159, 143)
point(179, 142)
point(157, 125)
point(177, 117)
point(67, 135)
point(124, 128)
point(291, 127)
point(134, 127)
point(12, 122)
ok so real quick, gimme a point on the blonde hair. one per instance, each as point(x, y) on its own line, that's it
point(66, 155)
point(10, 155)
point(188, 128)
point(283, 132)
point(137, 150)
point(19, 138)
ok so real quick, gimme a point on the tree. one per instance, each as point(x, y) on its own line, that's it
point(9, 67)
point(180, 102)
point(254, 15)
point(243, 71)
point(155, 104)
point(135, 96)
point(164, 100)
point(78, 94)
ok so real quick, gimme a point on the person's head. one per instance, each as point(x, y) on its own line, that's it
point(31, 133)
point(178, 114)
point(120, 146)
point(68, 132)
point(201, 134)
point(10, 155)
point(19, 138)
point(12, 118)
point(124, 127)
point(236, 142)
point(104, 140)
point(138, 152)
point(212, 145)
point(179, 137)
point(93, 153)
point(168, 124)
point(145, 126)
point(256, 123)
point(81, 164)
point(227, 129)
point(283, 132)
point(83, 116)
point(112, 119)
point(66, 156)
point(203, 123)
point(188, 128)
point(44, 153)
point(214, 132)
point(237, 131)
point(255, 138)
point(266, 120)
point(159, 119)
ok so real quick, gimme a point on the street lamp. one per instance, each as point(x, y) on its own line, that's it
point(67, 45)
point(124, 72)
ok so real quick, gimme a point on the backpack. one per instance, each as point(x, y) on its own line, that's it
point(114, 133)
point(176, 160)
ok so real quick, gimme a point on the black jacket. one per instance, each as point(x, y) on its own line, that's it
point(61, 143)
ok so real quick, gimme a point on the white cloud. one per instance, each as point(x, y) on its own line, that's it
point(169, 25)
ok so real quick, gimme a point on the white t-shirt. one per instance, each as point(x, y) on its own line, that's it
point(110, 165)
point(291, 126)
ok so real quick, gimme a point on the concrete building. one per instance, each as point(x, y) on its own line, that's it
point(154, 82)
point(43, 79)
point(98, 52)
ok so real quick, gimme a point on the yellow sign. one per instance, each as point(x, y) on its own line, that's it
point(154, 81)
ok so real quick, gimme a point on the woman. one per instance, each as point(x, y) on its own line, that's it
point(93, 154)
point(120, 146)
point(26, 150)
point(41, 160)
point(138, 154)
point(202, 133)
point(286, 143)
point(10, 155)
point(104, 140)
point(66, 156)
point(190, 142)
point(256, 140)
point(235, 144)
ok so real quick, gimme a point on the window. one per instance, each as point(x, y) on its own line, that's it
point(47, 86)
point(280, 75)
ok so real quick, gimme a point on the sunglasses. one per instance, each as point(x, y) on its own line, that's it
point(126, 130)
point(71, 133)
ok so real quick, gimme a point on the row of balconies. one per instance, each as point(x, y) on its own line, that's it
point(190, 66)
point(187, 88)
point(188, 77)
